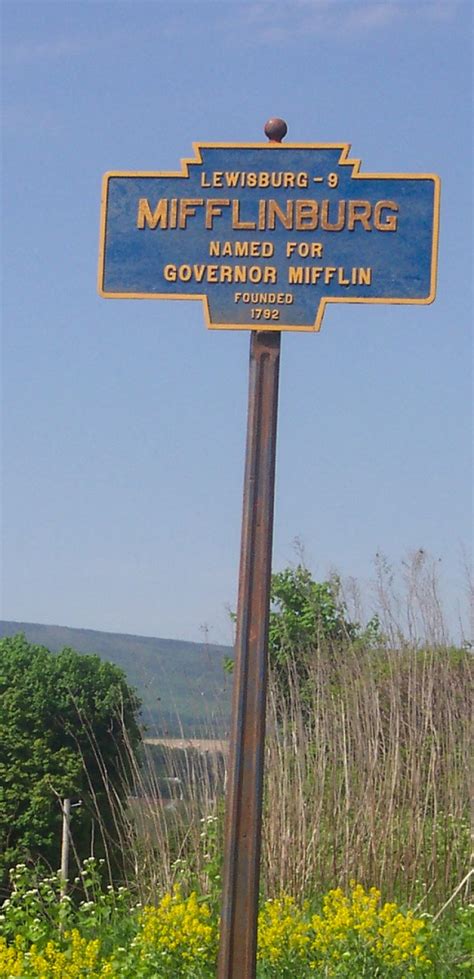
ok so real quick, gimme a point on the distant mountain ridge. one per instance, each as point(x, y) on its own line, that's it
point(183, 686)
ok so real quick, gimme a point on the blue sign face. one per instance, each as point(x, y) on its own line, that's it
point(268, 234)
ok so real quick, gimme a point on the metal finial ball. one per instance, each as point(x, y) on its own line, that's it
point(276, 130)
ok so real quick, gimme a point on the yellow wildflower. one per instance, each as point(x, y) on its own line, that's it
point(282, 931)
point(385, 932)
point(11, 960)
point(179, 926)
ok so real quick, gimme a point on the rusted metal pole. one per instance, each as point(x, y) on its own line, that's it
point(237, 957)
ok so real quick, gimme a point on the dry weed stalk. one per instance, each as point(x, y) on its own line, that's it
point(366, 769)
point(368, 764)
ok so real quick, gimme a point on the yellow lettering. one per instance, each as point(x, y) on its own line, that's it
point(185, 273)
point(213, 209)
point(275, 211)
point(295, 275)
point(269, 274)
point(232, 179)
point(390, 222)
point(187, 208)
point(306, 215)
point(173, 220)
point(359, 211)
point(145, 216)
point(237, 223)
point(169, 273)
point(341, 216)
point(241, 249)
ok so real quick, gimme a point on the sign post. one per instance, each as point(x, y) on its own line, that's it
point(267, 236)
point(245, 781)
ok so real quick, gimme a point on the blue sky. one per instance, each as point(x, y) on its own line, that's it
point(124, 421)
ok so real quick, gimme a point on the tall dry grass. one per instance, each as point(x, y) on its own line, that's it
point(367, 769)
point(367, 773)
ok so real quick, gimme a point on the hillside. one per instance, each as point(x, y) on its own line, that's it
point(182, 684)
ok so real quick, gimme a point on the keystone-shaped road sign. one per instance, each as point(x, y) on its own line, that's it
point(267, 235)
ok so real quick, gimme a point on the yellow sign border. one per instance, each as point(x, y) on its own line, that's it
point(324, 301)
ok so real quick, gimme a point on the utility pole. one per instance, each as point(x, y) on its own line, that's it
point(66, 810)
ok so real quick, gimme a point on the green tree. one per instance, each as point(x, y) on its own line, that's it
point(68, 729)
point(303, 614)
point(304, 611)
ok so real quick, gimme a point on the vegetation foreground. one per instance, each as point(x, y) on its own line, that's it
point(353, 934)
point(366, 830)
